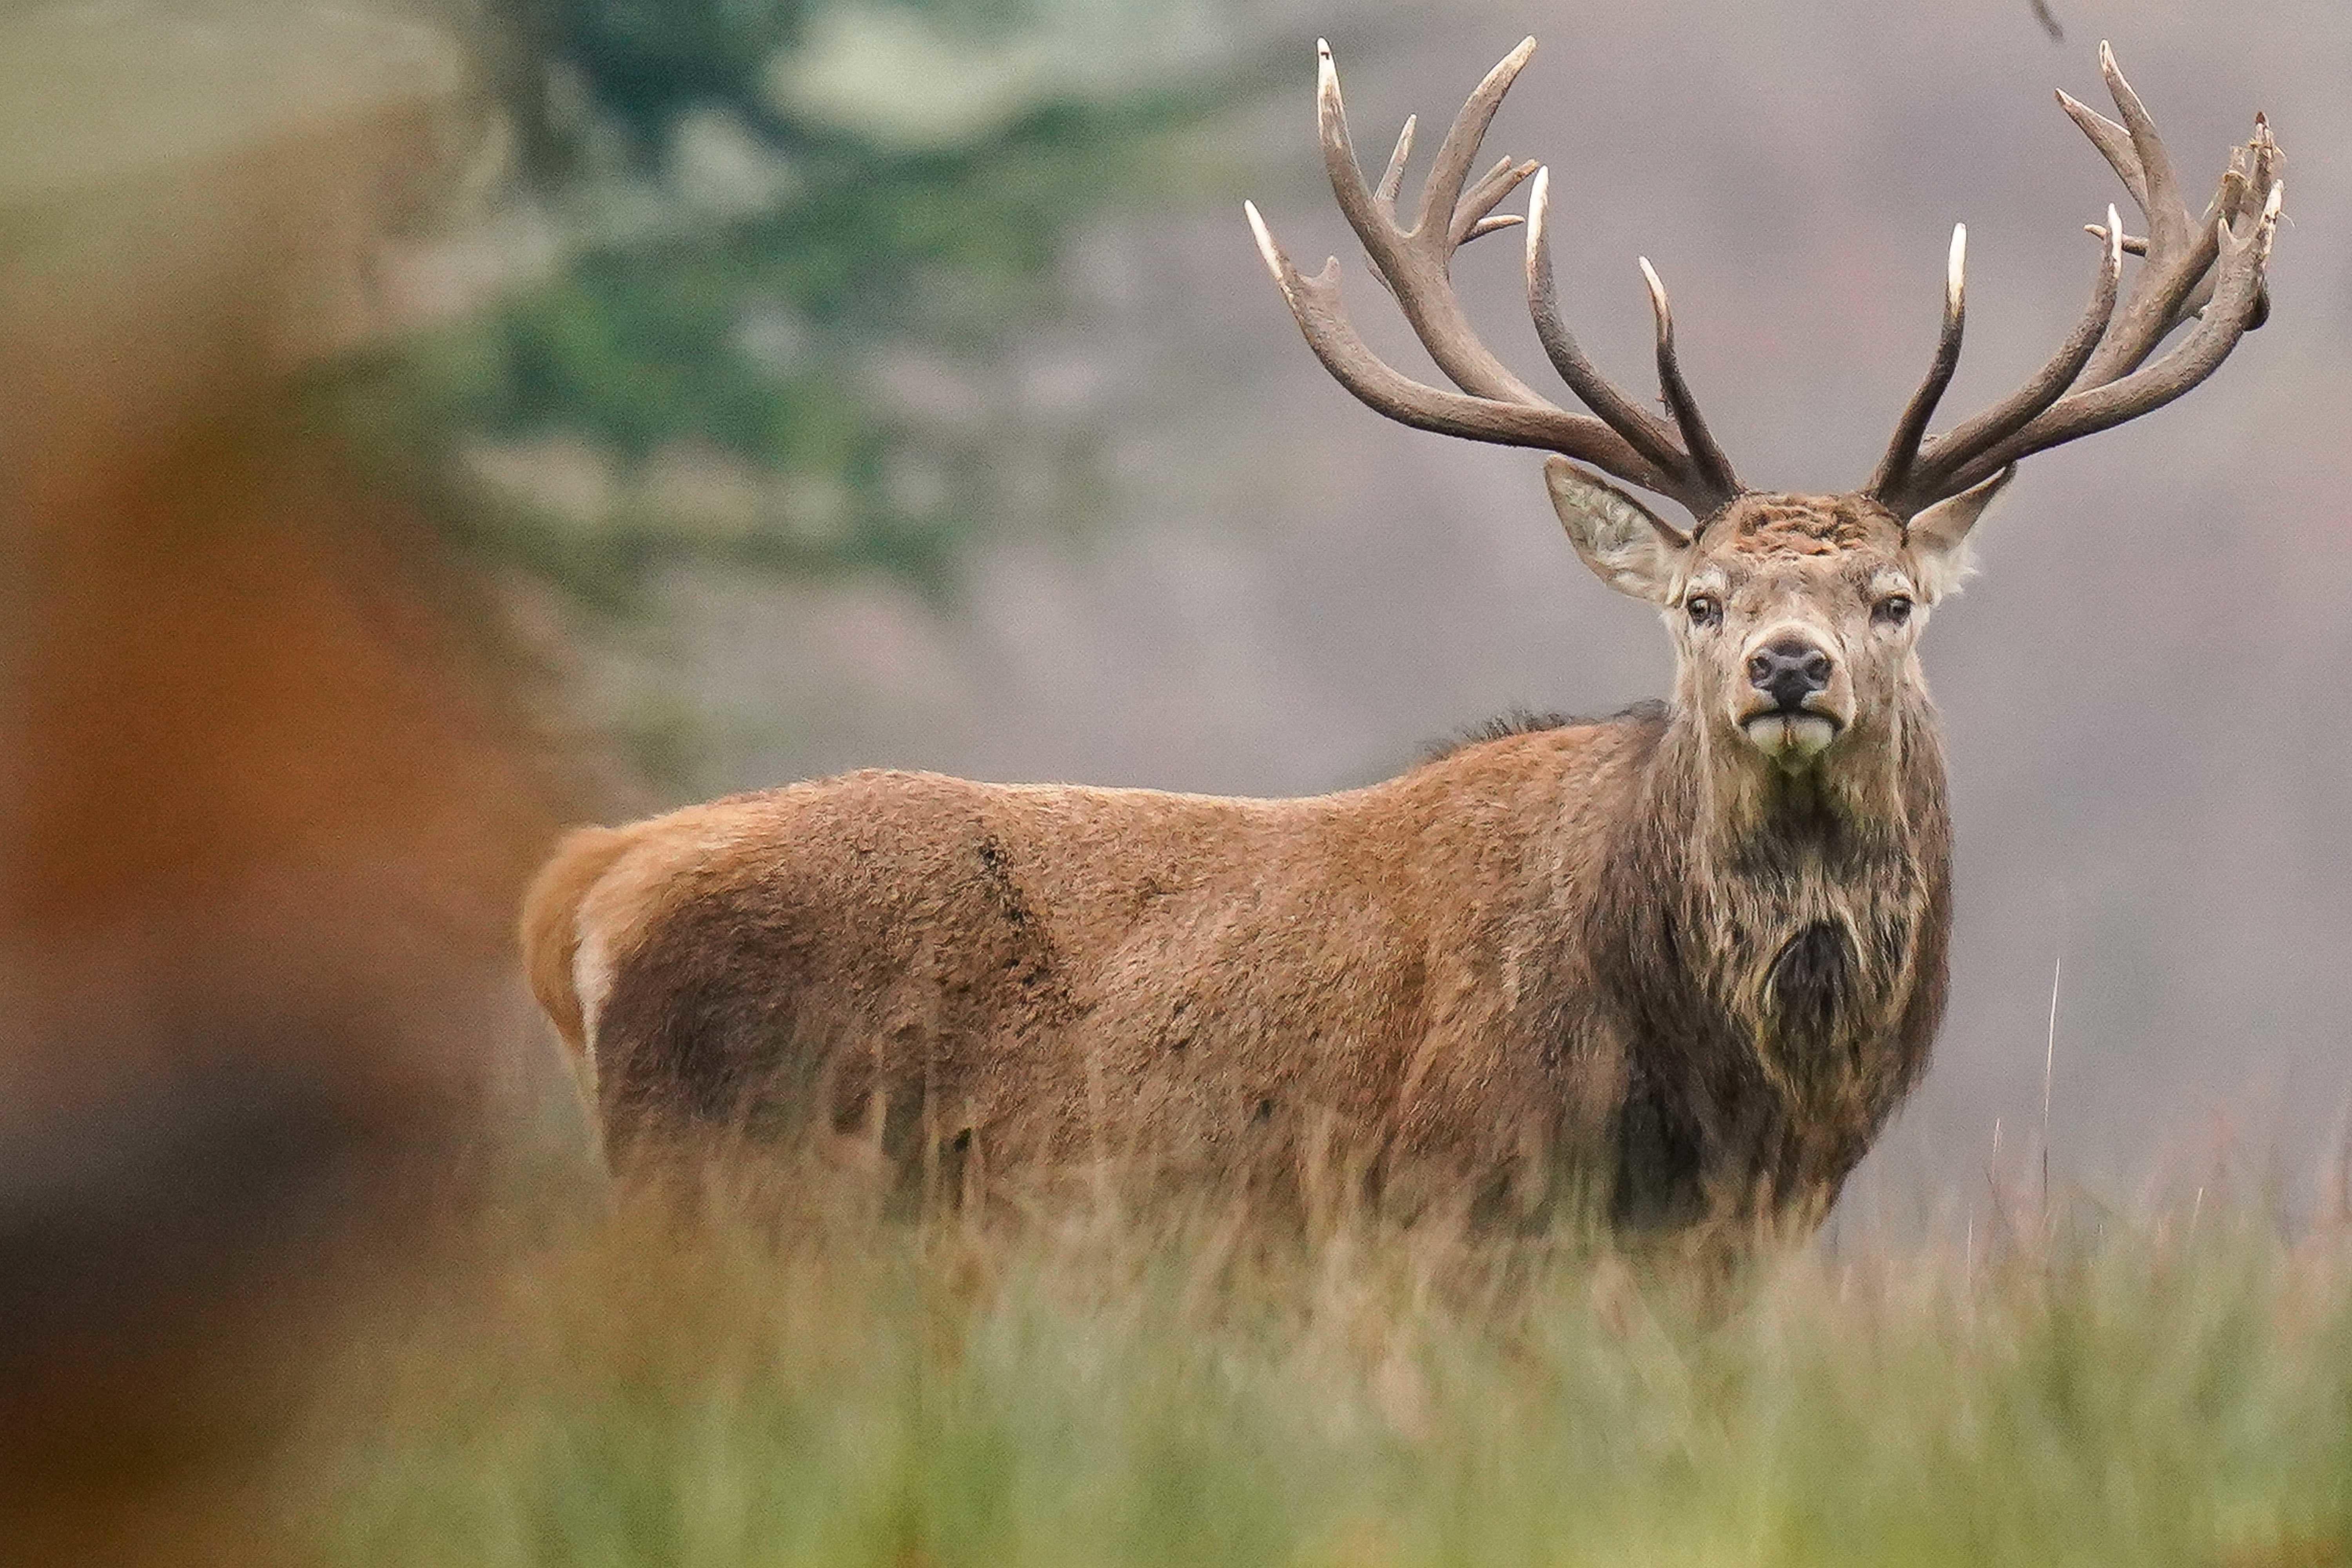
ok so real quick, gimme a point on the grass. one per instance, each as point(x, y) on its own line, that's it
point(807, 1384)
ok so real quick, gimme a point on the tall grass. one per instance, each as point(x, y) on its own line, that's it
point(809, 1383)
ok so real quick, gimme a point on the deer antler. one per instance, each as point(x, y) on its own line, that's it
point(1416, 263)
point(2210, 268)
point(1701, 473)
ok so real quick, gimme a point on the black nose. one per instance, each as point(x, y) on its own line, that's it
point(1789, 669)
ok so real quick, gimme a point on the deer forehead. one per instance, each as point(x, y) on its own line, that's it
point(1765, 553)
point(1756, 527)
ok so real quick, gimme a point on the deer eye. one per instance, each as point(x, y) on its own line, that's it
point(1704, 609)
point(1893, 610)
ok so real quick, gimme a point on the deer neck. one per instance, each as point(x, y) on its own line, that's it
point(1794, 904)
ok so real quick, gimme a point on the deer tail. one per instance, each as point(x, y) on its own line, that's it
point(551, 924)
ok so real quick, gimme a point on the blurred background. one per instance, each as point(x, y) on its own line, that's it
point(423, 425)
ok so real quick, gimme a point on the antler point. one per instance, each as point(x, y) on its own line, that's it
point(1658, 302)
point(1268, 251)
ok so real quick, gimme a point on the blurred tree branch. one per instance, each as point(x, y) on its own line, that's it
point(760, 209)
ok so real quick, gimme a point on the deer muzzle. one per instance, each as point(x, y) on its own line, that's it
point(1796, 699)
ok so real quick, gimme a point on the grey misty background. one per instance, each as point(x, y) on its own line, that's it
point(2143, 690)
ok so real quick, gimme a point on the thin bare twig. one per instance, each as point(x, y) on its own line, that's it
point(2049, 1067)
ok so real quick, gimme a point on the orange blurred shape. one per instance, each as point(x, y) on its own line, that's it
point(265, 805)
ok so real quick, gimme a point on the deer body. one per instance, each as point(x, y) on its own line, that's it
point(1682, 962)
point(1503, 967)
point(1634, 959)
point(1041, 971)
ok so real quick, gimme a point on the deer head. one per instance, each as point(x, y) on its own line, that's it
point(1795, 618)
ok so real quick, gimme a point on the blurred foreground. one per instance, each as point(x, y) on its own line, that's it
point(1109, 1386)
point(265, 801)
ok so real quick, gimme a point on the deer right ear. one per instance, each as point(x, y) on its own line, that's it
point(1940, 535)
point(1627, 545)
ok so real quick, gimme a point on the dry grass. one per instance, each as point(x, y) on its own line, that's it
point(807, 1382)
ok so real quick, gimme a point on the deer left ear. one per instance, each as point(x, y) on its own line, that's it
point(1940, 536)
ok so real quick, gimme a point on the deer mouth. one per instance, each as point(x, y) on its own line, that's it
point(1792, 738)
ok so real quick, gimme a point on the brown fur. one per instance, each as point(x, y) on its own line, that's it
point(1636, 959)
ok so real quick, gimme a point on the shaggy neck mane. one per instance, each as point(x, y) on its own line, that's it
point(1765, 939)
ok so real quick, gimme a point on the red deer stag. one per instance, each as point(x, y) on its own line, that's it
point(1684, 961)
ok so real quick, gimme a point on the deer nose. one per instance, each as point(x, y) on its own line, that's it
point(1789, 669)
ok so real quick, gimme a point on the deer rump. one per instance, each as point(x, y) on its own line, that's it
point(1464, 982)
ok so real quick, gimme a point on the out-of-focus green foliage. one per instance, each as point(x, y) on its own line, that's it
point(646, 61)
point(762, 209)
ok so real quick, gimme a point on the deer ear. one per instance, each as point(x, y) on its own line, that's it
point(1940, 536)
point(1627, 545)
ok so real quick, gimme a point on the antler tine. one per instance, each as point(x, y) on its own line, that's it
point(1642, 429)
point(2181, 249)
point(1894, 475)
point(1416, 264)
point(2169, 220)
point(1392, 181)
point(2228, 317)
point(2210, 268)
point(1316, 305)
point(2253, 170)
point(1451, 167)
point(2114, 143)
point(1470, 219)
point(2265, 168)
point(1940, 457)
point(1347, 177)
point(1711, 468)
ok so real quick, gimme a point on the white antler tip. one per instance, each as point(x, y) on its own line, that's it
point(1539, 218)
point(1657, 295)
point(2115, 238)
point(2106, 56)
point(1955, 270)
point(1268, 252)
